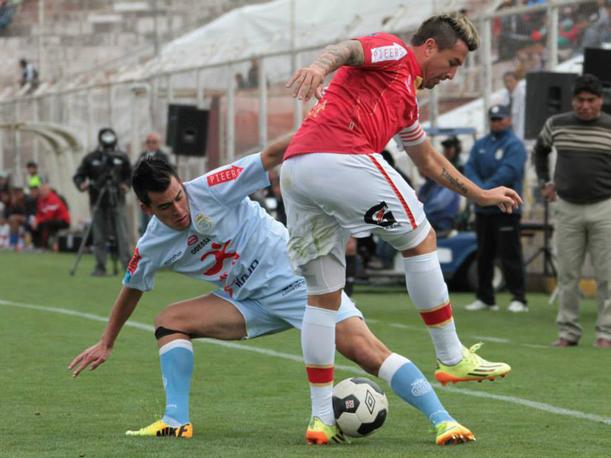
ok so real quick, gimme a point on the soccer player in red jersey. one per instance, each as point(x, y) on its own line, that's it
point(335, 185)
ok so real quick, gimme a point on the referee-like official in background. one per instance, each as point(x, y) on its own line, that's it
point(581, 185)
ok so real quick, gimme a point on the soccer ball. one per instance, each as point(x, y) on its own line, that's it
point(360, 406)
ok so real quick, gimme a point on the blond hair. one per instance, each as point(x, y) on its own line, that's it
point(446, 29)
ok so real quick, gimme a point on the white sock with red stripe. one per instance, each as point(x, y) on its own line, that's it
point(429, 292)
point(318, 345)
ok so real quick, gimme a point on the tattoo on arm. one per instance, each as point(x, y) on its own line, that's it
point(454, 182)
point(349, 52)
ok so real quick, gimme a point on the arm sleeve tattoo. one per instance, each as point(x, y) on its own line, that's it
point(349, 52)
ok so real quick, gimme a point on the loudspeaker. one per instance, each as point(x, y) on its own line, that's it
point(596, 62)
point(187, 130)
point(547, 94)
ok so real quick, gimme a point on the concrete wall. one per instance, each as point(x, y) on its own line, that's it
point(76, 36)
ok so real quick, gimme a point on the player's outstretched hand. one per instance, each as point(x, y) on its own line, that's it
point(306, 82)
point(93, 357)
point(506, 199)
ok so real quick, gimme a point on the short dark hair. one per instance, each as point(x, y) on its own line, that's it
point(152, 175)
point(511, 73)
point(446, 30)
point(31, 164)
point(588, 83)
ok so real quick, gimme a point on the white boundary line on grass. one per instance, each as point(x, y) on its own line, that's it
point(481, 394)
point(484, 338)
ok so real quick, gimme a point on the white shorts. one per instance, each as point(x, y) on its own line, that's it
point(329, 197)
point(281, 311)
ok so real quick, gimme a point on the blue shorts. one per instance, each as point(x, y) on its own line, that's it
point(281, 311)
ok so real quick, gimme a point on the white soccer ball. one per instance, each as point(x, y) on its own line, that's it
point(360, 406)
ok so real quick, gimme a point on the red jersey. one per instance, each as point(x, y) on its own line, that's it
point(365, 106)
point(51, 207)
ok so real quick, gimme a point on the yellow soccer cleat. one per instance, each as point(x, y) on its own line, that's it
point(319, 433)
point(472, 367)
point(452, 433)
point(162, 429)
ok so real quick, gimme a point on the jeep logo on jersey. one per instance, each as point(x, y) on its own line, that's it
point(392, 52)
point(225, 175)
point(378, 215)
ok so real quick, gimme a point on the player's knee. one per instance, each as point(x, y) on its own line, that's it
point(162, 319)
point(170, 319)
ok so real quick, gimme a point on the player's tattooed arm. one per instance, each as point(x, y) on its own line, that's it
point(349, 52)
point(308, 81)
point(435, 166)
point(454, 182)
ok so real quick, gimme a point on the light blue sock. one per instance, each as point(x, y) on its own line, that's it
point(176, 358)
point(409, 383)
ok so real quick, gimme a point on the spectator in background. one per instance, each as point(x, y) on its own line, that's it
point(599, 31)
point(498, 160)
point(29, 75)
point(253, 74)
point(5, 181)
point(33, 179)
point(7, 10)
point(515, 98)
point(52, 215)
point(240, 82)
point(5, 201)
point(441, 204)
point(582, 187)
point(152, 149)
point(17, 213)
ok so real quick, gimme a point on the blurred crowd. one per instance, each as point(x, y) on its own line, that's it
point(523, 37)
point(31, 216)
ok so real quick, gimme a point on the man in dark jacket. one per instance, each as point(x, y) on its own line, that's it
point(498, 159)
point(106, 173)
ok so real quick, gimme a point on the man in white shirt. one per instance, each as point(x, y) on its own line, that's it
point(515, 98)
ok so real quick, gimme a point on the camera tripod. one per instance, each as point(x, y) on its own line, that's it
point(549, 268)
point(107, 188)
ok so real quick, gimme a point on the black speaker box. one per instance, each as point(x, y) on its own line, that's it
point(187, 130)
point(597, 61)
point(547, 94)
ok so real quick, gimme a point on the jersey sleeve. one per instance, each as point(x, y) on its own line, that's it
point(140, 273)
point(411, 136)
point(382, 51)
point(232, 183)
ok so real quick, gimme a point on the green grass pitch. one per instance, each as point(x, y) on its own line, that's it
point(251, 399)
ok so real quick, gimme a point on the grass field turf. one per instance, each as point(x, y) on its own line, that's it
point(256, 404)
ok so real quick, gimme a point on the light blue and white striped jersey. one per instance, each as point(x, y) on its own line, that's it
point(232, 242)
